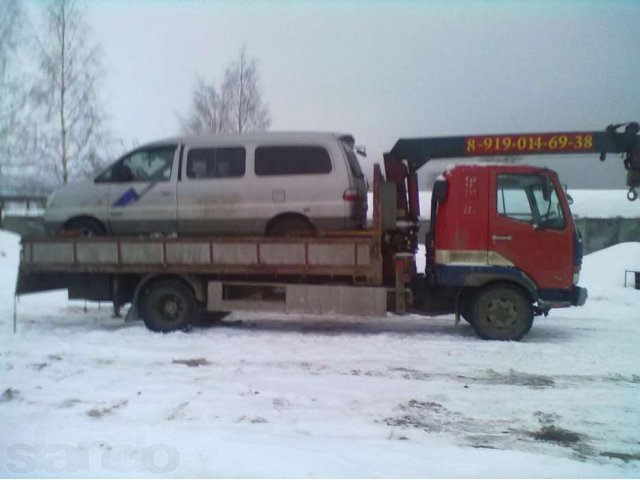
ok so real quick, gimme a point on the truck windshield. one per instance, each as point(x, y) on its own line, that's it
point(531, 199)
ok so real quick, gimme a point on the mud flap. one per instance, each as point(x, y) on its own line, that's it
point(578, 296)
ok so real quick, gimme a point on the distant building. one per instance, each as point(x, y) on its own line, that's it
point(22, 202)
point(20, 186)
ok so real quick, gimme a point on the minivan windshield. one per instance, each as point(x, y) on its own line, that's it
point(144, 165)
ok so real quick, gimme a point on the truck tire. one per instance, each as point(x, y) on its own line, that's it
point(501, 312)
point(168, 305)
point(467, 312)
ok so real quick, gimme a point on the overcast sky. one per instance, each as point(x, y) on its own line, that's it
point(383, 70)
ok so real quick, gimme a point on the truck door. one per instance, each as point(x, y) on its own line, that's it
point(142, 191)
point(529, 227)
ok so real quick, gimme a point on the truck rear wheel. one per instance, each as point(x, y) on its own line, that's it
point(501, 312)
point(168, 305)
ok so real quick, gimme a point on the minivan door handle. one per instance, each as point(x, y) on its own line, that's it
point(506, 238)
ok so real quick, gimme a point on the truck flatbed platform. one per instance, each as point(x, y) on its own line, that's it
point(357, 257)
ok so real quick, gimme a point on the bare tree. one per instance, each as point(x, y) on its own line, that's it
point(11, 20)
point(242, 86)
point(210, 111)
point(70, 136)
point(13, 94)
point(236, 107)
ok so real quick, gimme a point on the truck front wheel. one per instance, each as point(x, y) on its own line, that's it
point(501, 312)
point(168, 305)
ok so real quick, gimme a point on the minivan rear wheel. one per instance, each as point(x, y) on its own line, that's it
point(291, 227)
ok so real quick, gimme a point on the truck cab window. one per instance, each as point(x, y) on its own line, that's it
point(148, 165)
point(523, 198)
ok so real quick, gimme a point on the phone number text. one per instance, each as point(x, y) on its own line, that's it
point(540, 143)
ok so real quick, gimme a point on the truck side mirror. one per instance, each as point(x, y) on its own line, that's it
point(566, 194)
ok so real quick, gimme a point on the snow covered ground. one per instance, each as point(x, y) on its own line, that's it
point(267, 395)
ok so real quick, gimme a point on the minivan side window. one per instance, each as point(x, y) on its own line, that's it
point(216, 162)
point(292, 160)
point(147, 165)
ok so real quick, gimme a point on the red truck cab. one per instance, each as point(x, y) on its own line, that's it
point(504, 226)
point(502, 245)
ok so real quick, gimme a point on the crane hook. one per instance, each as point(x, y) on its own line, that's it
point(632, 194)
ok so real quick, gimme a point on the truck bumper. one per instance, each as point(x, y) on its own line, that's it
point(578, 296)
point(552, 298)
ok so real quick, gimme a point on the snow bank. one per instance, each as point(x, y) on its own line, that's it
point(9, 259)
point(606, 268)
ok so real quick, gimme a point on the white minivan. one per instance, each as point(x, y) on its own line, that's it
point(236, 184)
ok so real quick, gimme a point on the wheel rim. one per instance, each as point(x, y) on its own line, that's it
point(501, 313)
point(170, 308)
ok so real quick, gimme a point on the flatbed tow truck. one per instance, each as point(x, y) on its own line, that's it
point(502, 248)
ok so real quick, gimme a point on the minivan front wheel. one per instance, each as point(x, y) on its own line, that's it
point(86, 227)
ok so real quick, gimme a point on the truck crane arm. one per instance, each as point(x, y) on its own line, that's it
point(418, 151)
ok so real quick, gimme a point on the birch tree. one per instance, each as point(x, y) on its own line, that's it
point(241, 85)
point(237, 106)
point(209, 111)
point(13, 93)
point(71, 135)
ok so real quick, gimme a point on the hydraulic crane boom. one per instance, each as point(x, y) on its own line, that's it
point(418, 151)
